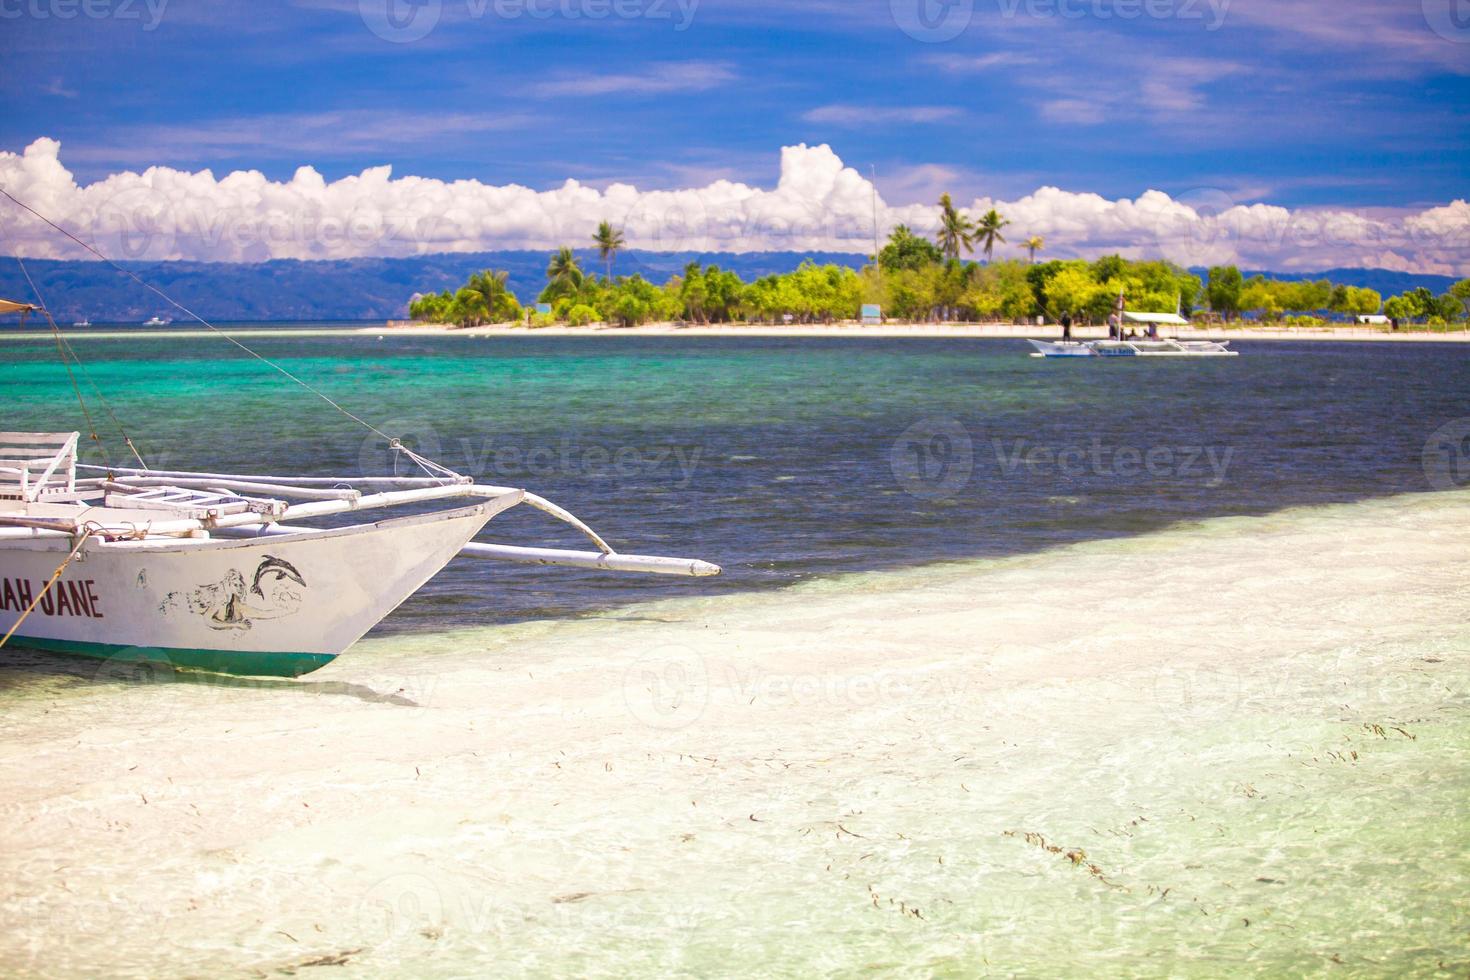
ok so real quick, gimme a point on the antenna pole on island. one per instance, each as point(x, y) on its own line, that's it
point(877, 255)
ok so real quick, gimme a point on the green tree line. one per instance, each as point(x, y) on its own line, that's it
point(1231, 295)
point(915, 279)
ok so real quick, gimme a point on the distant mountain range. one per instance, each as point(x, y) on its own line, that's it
point(379, 289)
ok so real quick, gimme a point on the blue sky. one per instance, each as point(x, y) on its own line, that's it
point(1360, 103)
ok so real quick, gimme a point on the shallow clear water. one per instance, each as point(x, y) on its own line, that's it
point(780, 459)
point(1254, 757)
point(1251, 733)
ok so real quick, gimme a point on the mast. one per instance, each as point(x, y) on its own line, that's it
point(877, 256)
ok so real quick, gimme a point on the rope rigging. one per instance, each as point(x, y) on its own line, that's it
point(69, 356)
point(428, 466)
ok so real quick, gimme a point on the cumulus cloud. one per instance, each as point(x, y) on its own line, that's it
point(817, 203)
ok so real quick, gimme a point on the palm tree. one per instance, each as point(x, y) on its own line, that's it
point(484, 296)
point(988, 231)
point(489, 283)
point(563, 274)
point(955, 230)
point(609, 243)
point(1033, 245)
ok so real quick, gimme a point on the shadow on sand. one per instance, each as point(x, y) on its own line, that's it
point(20, 666)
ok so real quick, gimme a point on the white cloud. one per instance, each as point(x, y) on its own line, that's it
point(1374, 36)
point(961, 64)
point(694, 76)
point(1169, 91)
point(818, 203)
point(869, 115)
point(1075, 112)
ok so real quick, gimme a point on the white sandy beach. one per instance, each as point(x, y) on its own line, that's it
point(891, 330)
point(1243, 743)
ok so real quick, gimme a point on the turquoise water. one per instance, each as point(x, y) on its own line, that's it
point(1249, 730)
point(780, 459)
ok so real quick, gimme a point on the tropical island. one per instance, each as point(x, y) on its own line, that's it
point(915, 280)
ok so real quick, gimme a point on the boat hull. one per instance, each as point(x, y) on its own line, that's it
point(1131, 348)
point(279, 606)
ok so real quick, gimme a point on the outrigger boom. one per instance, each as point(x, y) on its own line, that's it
point(194, 505)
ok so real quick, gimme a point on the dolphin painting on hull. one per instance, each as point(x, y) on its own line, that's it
point(228, 603)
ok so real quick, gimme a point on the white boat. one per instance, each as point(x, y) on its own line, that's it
point(228, 572)
point(1132, 348)
point(83, 322)
point(156, 321)
point(1152, 346)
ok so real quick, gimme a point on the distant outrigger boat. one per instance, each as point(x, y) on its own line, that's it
point(156, 321)
point(1152, 346)
point(83, 322)
point(1132, 348)
point(219, 571)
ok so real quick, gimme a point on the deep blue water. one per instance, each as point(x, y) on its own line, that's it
point(783, 459)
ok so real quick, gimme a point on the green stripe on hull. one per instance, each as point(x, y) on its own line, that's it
point(243, 663)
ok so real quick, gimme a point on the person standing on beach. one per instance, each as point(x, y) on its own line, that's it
point(1067, 326)
point(1113, 333)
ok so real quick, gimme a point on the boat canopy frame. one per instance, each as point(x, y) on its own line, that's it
point(162, 506)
